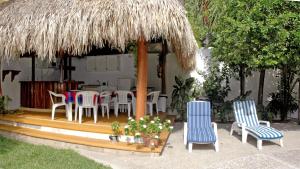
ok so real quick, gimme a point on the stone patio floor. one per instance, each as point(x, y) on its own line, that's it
point(233, 154)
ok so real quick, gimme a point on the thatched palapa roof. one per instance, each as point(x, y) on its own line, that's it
point(48, 26)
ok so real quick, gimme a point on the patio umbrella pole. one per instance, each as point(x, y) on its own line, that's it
point(142, 78)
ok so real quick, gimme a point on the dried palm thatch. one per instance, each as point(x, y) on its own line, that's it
point(74, 26)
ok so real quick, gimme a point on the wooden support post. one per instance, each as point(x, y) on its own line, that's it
point(65, 68)
point(70, 68)
point(163, 59)
point(33, 68)
point(61, 68)
point(142, 78)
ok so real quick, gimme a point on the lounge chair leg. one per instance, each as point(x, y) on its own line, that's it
point(217, 146)
point(190, 147)
point(281, 142)
point(259, 144)
point(244, 137)
point(232, 126)
point(185, 133)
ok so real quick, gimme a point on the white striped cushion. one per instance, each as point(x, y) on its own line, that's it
point(203, 135)
point(245, 112)
point(264, 132)
point(199, 114)
point(199, 122)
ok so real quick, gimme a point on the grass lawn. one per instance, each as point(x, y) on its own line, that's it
point(19, 155)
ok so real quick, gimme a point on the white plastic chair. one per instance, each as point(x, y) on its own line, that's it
point(58, 104)
point(122, 101)
point(89, 101)
point(105, 98)
point(153, 99)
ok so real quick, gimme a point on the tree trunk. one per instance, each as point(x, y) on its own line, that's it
point(299, 100)
point(261, 87)
point(242, 80)
point(285, 89)
point(1, 74)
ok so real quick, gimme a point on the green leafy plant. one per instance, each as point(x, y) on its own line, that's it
point(3, 104)
point(116, 128)
point(280, 105)
point(183, 92)
point(216, 88)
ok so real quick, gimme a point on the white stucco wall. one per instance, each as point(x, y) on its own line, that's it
point(12, 88)
point(252, 84)
point(127, 70)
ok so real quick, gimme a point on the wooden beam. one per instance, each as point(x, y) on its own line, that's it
point(33, 68)
point(64, 67)
point(61, 66)
point(70, 70)
point(162, 60)
point(142, 78)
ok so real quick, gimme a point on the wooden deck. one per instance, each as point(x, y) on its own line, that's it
point(103, 126)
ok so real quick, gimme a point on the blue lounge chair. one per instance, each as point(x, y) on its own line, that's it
point(248, 123)
point(199, 129)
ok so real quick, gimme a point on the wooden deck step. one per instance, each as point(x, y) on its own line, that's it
point(80, 140)
point(87, 127)
point(44, 119)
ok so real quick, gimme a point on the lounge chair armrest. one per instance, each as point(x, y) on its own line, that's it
point(215, 126)
point(264, 122)
point(238, 124)
point(242, 125)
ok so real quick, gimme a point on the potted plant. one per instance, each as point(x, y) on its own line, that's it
point(116, 128)
point(147, 131)
point(3, 104)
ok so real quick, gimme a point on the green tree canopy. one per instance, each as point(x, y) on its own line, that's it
point(258, 33)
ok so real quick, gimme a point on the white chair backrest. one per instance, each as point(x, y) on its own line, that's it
point(52, 94)
point(245, 112)
point(105, 96)
point(122, 96)
point(89, 98)
point(153, 96)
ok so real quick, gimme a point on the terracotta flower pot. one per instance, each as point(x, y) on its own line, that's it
point(146, 140)
point(150, 142)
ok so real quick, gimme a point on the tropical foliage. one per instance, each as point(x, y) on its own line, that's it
point(3, 104)
point(216, 88)
point(253, 35)
point(183, 92)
